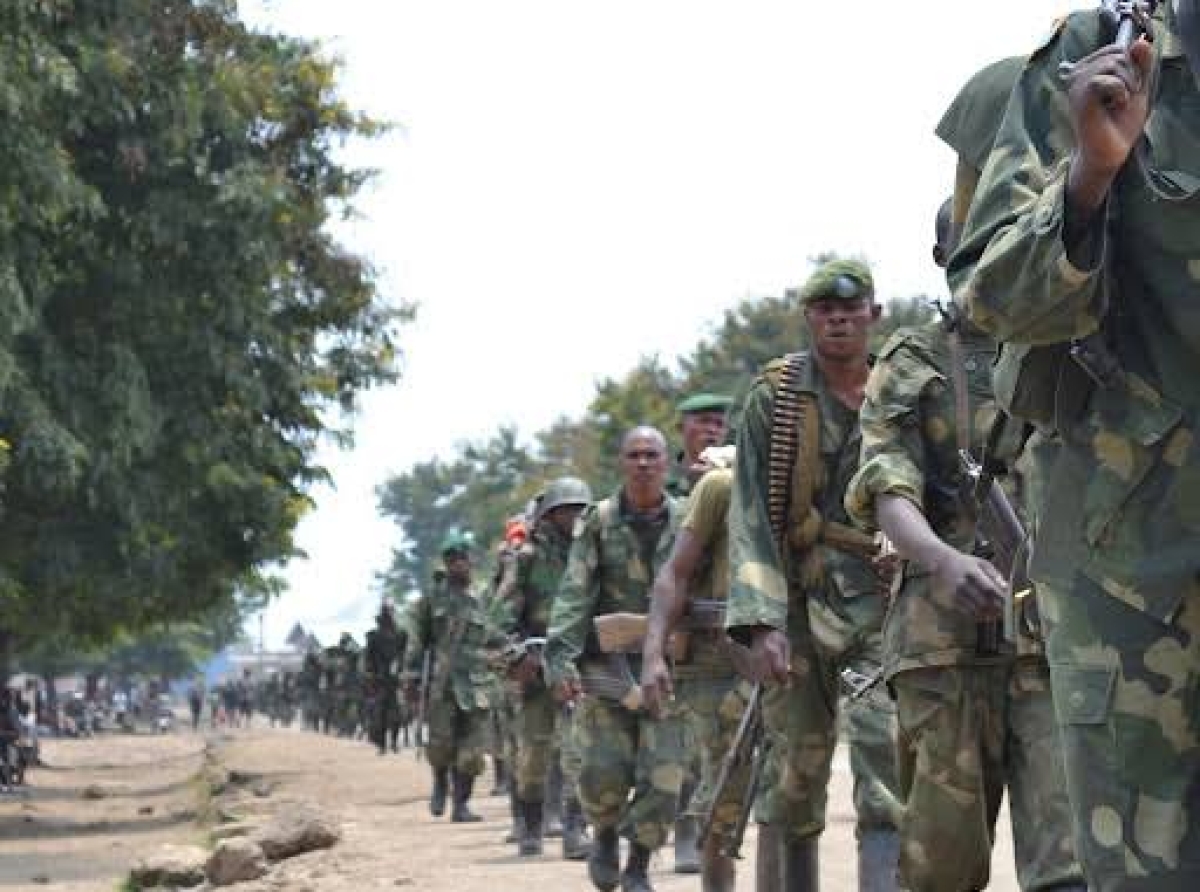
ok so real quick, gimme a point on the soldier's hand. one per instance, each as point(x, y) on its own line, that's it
point(526, 669)
point(657, 687)
point(1108, 93)
point(974, 581)
point(569, 690)
point(771, 657)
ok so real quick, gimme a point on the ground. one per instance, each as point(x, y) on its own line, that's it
point(52, 836)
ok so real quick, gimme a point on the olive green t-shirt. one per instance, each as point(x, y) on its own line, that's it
point(707, 511)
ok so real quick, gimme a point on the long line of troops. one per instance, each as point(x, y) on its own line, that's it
point(861, 539)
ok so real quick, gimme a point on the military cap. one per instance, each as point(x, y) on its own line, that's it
point(456, 540)
point(839, 280)
point(704, 402)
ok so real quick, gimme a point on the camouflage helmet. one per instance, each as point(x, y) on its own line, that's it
point(456, 541)
point(564, 491)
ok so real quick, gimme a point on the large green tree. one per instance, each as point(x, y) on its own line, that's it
point(181, 328)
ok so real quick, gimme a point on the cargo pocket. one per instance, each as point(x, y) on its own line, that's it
point(1100, 796)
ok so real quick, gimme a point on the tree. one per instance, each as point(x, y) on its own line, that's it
point(181, 328)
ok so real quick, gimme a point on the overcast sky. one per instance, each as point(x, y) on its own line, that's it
point(571, 185)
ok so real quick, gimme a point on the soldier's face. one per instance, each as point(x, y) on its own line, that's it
point(458, 566)
point(644, 464)
point(564, 516)
point(701, 430)
point(841, 329)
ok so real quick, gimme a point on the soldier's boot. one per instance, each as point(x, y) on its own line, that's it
point(717, 873)
point(635, 877)
point(554, 801)
point(604, 862)
point(878, 860)
point(500, 784)
point(530, 843)
point(687, 838)
point(768, 860)
point(516, 808)
point(800, 873)
point(463, 785)
point(575, 843)
point(441, 784)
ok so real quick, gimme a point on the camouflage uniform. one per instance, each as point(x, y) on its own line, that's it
point(832, 620)
point(309, 688)
point(711, 692)
point(613, 561)
point(449, 620)
point(384, 659)
point(971, 722)
point(1118, 547)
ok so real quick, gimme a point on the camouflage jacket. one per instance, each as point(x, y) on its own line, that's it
point(910, 449)
point(451, 622)
point(385, 656)
point(607, 572)
point(1125, 505)
point(540, 565)
point(759, 590)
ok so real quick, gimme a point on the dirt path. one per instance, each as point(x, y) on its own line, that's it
point(51, 837)
point(391, 840)
point(97, 805)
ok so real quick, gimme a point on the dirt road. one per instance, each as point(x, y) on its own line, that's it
point(389, 840)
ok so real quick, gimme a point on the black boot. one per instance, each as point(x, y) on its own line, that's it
point(768, 861)
point(553, 800)
point(878, 860)
point(575, 843)
point(463, 784)
point(800, 872)
point(717, 873)
point(441, 785)
point(530, 843)
point(516, 808)
point(604, 863)
point(635, 877)
point(687, 837)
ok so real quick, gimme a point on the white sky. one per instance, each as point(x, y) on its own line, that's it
point(572, 185)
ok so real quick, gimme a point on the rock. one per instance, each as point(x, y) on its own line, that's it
point(235, 861)
point(296, 832)
point(95, 791)
point(146, 810)
point(169, 865)
point(233, 830)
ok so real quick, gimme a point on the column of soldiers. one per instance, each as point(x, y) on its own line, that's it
point(684, 653)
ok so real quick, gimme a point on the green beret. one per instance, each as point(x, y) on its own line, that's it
point(839, 280)
point(456, 540)
point(704, 402)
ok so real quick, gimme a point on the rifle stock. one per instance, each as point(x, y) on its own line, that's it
point(612, 680)
point(625, 633)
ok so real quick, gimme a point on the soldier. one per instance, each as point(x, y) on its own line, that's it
point(1082, 226)
point(385, 656)
point(538, 569)
point(620, 543)
point(309, 686)
point(975, 713)
point(805, 591)
point(695, 582)
point(702, 423)
point(448, 620)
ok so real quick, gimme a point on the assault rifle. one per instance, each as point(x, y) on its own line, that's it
point(610, 678)
point(423, 704)
point(744, 755)
point(1005, 534)
point(626, 632)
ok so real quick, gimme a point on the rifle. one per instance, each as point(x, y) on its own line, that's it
point(857, 685)
point(422, 704)
point(1006, 535)
point(741, 756)
point(624, 633)
point(611, 679)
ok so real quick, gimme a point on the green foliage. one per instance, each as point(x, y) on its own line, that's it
point(179, 327)
point(487, 482)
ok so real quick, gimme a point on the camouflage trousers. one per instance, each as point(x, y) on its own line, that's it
point(537, 742)
point(570, 752)
point(714, 708)
point(385, 715)
point(457, 736)
point(801, 721)
point(1127, 695)
point(967, 732)
point(631, 769)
